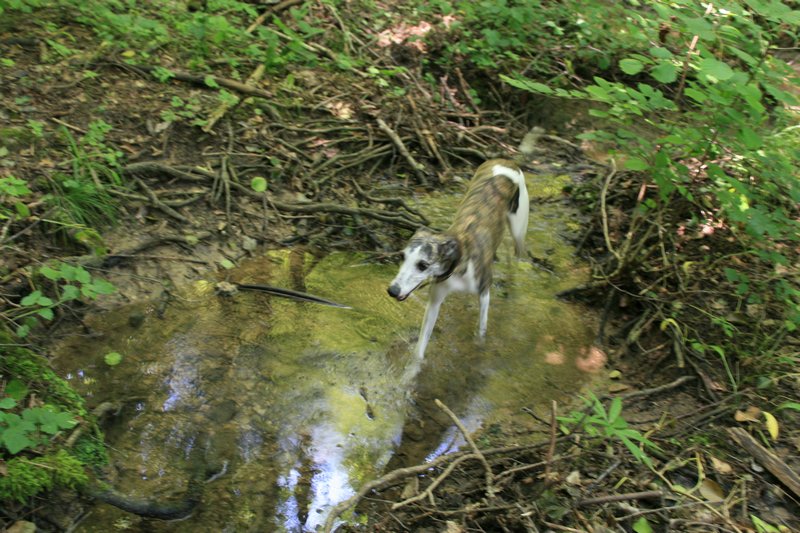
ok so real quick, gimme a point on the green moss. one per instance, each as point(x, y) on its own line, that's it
point(34, 369)
point(91, 450)
point(27, 477)
point(57, 468)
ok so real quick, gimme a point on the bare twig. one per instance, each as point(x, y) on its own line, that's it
point(489, 475)
point(604, 212)
point(552, 448)
point(159, 204)
point(428, 492)
point(398, 142)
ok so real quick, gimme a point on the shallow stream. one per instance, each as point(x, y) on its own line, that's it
point(292, 406)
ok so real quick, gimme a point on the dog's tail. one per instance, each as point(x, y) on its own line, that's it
point(518, 221)
point(527, 147)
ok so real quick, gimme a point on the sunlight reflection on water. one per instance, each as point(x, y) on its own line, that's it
point(301, 403)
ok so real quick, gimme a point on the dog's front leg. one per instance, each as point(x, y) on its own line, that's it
point(437, 296)
point(484, 313)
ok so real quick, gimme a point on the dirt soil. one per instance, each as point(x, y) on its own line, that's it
point(331, 148)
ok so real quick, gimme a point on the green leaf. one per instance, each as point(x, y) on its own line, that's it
point(69, 292)
point(49, 273)
point(113, 358)
point(15, 440)
point(631, 66)
point(32, 298)
point(750, 138)
point(642, 526)
point(789, 405)
point(211, 82)
point(16, 389)
point(636, 163)
point(46, 313)
point(22, 209)
point(660, 53)
point(101, 286)
point(716, 69)
point(697, 96)
point(52, 422)
point(227, 264)
point(23, 330)
point(527, 85)
point(614, 409)
point(258, 184)
point(665, 72)
point(7, 403)
point(82, 275)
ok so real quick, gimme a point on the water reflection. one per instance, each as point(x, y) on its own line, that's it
point(293, 406)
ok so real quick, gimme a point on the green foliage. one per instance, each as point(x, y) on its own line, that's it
point(26, 478)
point(12, 189)
point(113, 358)
point(29, 443)
point(30, 428)
point(706, 122)
point(545, 38)
point(218, 32)
point(81, 198)
point(70, 283)
point(258, 184)
point(608, 424)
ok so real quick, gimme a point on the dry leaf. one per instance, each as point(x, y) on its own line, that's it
point(751, 414)
point(711, 491)
point(721, 466)
point(618, 387)
point(574, 478)
point(772, 425)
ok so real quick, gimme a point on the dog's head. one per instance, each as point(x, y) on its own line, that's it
point(428, 255)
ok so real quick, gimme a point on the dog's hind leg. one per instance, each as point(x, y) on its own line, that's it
point(437, 296)
point(484, 313)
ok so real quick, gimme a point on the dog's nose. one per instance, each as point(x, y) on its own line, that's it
point(393, 291)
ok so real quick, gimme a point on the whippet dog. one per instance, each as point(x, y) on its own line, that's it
point(460, 258)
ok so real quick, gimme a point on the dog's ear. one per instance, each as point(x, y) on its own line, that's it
point(450, 252)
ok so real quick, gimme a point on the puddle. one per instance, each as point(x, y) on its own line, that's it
point(292, 406)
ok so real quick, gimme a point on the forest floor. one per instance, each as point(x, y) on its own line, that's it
point(340, 153)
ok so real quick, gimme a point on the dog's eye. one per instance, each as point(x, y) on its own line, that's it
point(422, 266)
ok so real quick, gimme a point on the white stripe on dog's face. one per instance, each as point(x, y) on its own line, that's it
point(416, 268)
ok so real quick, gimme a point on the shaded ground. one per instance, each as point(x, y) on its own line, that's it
point(329, 146)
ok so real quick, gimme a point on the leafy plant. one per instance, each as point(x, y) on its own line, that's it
point(82, 197)
point(608, 424)
point(70, 283)
point(699, 112)
point(32, 427)
point(11, 190)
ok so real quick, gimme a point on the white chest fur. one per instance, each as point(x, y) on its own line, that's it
point(466, 282)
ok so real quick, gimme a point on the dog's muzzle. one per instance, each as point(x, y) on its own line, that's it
point(394, 292)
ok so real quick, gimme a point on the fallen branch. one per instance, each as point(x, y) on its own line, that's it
point(390, 217)
point(398, 142)
point(489, 475)
point(202, 80)
point(159, 204)
point(154, 167)
point(769, 460)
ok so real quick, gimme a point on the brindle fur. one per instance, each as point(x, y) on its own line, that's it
point(481, 217)
point(460, 258)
